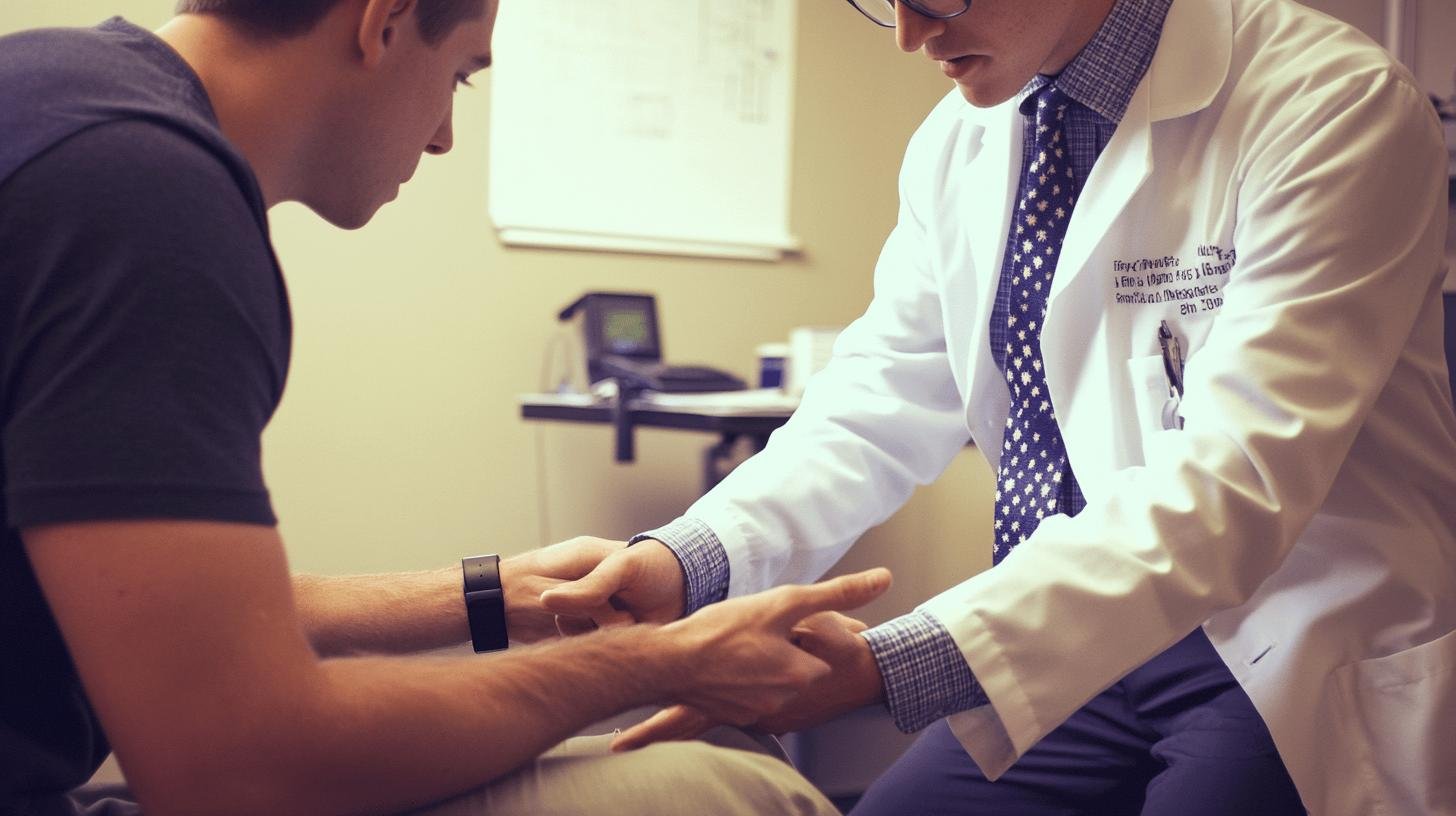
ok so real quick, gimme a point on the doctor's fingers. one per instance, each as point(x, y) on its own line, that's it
point(670, 724)
point(571, 626)
point(645, 579)
point(826, 624)
point(601, 618)
point(576, 557)
point(590, 594)
point(611, 615)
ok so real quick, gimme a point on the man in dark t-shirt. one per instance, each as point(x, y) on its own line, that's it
point(147, 340)
point(145, 602)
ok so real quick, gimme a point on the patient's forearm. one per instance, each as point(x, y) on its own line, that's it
point(384, 734)
point(451, 724)
point(396, 613)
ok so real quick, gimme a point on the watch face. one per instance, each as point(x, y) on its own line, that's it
point(481, 572)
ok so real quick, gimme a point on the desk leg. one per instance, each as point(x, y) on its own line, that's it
point(622, 423)
point(719, 460)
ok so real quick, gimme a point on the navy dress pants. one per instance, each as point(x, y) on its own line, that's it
point(1176, 736)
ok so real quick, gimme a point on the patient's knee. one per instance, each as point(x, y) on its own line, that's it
point(694, 777)
point(667, 779)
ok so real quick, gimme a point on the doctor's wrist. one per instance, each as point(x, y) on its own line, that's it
point(925, 675)
point(701, 558)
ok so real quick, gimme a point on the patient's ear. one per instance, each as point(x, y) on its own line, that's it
point(379, 27)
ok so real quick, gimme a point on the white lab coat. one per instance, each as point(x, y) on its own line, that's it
point(1306, 512)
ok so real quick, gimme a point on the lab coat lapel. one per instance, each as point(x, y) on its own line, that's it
point(1119, 174)
point(990, 184)
point(1073, 339)
point(1188, 70)
point(985, 207)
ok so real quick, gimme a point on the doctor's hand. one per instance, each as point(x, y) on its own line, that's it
point(756, 659)
point(525, 577)
point(643, 583)
point(853, 681)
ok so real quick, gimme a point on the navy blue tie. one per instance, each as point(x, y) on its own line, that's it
point(1034, 477)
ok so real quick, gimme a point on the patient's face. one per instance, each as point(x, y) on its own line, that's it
point(377, 136)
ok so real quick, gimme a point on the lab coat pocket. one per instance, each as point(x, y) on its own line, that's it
point(1149, 395)
point(1403, 713)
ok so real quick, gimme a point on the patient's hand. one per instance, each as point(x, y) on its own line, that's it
point(853, 681)
point(779, 659)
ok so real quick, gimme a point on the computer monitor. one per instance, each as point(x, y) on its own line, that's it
point(616, 325)
point(625, 325)
point(620, 324)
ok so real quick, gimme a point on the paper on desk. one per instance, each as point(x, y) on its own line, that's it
point(560, 399)
point(753, 402)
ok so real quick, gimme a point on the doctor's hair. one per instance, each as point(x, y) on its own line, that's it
point(283, 19)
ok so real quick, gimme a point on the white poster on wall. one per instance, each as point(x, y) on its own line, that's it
point(644, 125)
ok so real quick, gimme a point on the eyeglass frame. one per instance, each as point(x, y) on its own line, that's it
point(915, 7)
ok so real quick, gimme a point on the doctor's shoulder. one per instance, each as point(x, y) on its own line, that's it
point(1300, 69)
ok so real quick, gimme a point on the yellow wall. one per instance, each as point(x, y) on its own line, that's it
point(398, 444)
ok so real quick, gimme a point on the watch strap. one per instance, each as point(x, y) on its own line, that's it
point(485, 603)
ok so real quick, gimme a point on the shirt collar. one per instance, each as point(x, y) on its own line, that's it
point(1106, 74)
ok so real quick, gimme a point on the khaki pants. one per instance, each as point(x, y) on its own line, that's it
point(729, 774)
point(732, 773)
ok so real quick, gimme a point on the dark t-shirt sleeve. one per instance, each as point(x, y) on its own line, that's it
point(147, 333)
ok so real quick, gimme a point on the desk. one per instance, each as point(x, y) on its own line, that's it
point(732, 417)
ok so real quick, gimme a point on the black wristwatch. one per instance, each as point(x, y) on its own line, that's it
point(485, 603)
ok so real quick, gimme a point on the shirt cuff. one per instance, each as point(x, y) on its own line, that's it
point(926, 676)
point(703, 559)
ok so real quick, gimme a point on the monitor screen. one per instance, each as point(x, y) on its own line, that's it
point(625, 329)
point(621, 324)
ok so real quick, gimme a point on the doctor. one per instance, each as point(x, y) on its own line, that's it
point(1175, 270)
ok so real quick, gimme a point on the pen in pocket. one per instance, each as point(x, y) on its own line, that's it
point(1172, 359)
point(1173, 368)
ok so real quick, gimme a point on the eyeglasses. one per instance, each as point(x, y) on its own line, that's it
point(882, 12)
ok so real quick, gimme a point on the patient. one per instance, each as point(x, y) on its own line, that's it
point(145, 600)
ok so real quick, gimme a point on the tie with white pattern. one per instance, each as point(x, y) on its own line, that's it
point(1033, 457)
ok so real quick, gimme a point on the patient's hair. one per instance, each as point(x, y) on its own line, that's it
point(279, 19)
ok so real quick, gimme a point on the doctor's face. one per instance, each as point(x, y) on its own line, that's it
point(997, 46)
